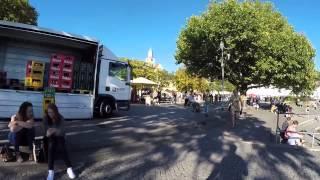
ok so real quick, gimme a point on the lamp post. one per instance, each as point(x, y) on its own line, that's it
point(222, 47)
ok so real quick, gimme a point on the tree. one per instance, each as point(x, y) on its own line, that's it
point(186, 82)
point(18, 11)
point(143, 69)
point(216, 86)
point(265, 49)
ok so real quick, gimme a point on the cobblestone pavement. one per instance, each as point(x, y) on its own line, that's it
point(172, 143)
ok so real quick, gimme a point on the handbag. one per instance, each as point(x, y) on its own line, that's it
point(7, 154)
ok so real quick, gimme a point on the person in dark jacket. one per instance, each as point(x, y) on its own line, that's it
point(53, 123)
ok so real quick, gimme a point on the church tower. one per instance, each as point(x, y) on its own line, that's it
point(150, 59)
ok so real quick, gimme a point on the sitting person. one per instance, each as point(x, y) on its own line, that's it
point(22, 129)
point(294, 137)
point(284, 127)
point(54, 127)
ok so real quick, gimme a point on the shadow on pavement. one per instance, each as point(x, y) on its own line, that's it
point(174, 143)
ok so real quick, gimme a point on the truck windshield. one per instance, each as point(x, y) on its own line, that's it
point(118, 70)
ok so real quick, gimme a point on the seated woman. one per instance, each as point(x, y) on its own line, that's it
point(54, 128)
point(22, 130)
point(294, 137)
point(284, 128)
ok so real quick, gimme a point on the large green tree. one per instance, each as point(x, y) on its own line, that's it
point(265, 49)
point(18, 11)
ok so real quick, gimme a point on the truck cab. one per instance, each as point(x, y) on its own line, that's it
point(113, 84)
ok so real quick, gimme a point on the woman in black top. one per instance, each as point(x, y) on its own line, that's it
point(54, 128)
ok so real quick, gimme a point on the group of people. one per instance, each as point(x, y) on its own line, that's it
point(22, 132)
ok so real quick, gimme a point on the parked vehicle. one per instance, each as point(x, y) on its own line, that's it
point(88, 78)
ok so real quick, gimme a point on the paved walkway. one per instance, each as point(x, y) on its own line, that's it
point(172, 142)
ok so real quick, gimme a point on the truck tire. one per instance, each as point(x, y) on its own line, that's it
point(106, 109)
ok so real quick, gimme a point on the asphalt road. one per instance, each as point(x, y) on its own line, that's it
point(173, 143)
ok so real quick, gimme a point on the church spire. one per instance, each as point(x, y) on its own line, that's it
point(150, 53)
point(150, 58)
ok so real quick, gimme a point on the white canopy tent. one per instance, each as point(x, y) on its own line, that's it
point(142, 81)
point(221, 92)
point(316, 93)
point(268, 91)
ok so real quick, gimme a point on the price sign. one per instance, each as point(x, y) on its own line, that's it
point(48, 98)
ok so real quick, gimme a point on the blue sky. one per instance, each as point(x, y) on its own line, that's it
point(130, 27)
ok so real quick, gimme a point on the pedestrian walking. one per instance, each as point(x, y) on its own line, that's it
point(211, 98)
point(207, 100)
point(53, 123)
point(235, 108)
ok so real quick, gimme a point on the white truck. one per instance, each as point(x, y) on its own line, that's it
point(20, 43)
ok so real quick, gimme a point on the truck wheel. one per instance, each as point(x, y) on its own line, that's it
point(106, 109)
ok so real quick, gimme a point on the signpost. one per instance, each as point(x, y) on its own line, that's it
point(48, 98)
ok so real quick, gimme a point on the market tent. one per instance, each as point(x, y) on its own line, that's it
point(142, 81)
point(316, 93)
point(221, 92)
point(271, 91)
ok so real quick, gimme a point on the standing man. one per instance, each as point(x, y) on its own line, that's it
point(207, 99)
point(236, 107)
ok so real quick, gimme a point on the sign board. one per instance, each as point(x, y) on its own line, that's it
point(49, 92)
point(48, 98)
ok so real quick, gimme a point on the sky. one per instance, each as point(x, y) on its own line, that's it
point(130, 27)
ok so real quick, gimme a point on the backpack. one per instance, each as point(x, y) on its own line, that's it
point(7, 154)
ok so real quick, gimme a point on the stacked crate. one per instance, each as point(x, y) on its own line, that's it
point(34, 74)
point(76, 75)
point(67, 73)
point(86, 76)
point(61, 72)
point(83, 77)
point(55, 70)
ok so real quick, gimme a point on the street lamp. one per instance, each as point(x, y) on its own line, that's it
point(222, 47)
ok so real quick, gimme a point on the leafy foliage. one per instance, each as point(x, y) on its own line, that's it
point(186, 82)
point(216, 85)
point(143, 69)
point(18, 11)
point(265, 50)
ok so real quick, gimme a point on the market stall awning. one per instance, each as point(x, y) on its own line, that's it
point(142, 81)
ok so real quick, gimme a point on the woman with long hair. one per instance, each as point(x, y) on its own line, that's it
point(22, 129)
point(54, 127)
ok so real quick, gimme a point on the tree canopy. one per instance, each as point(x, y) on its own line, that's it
point(265, 49)
point(184, 81)
point(143, 69)
point(18, 11)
